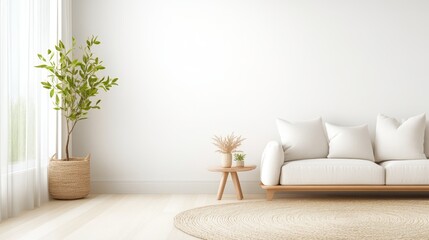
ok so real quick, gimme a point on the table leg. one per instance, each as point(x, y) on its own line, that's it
point(237, 186)
point(222, 185)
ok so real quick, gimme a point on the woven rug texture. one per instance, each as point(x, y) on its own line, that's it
point(309, 219)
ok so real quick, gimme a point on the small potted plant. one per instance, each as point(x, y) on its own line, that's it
point(226, 146)
point(239, 159)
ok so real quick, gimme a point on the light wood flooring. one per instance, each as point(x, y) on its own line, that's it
point(110, 216)
point(132, 216)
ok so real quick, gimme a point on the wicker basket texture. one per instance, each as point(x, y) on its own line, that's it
point(69, 179)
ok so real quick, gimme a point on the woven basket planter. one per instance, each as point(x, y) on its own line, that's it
point(69, 179)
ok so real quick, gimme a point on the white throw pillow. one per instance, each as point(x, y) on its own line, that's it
point(303, 140)
point(349, 142)
point(395, 140)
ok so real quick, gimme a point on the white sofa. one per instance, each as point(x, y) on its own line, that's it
point(334, 173)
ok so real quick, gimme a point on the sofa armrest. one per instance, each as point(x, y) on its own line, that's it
point(271, 163)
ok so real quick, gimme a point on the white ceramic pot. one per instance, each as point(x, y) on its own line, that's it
point(226, 160)
point(239, 163)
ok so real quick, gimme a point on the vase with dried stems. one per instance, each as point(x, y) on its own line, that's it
point(226, 146)
point(72, 84)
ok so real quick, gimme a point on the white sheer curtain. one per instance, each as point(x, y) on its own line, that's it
point(27, 122)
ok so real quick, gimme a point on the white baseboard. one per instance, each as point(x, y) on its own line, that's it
point(181, 187)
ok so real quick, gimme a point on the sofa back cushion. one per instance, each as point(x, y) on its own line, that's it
point(396, 140)
point(303, 140)
point(349, 142)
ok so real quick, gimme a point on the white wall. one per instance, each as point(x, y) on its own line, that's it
point(193, 68)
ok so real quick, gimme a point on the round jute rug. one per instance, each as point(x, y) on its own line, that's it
point(309, 219)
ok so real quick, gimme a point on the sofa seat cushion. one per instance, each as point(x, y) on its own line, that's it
point(332, 172)
point(407, 172)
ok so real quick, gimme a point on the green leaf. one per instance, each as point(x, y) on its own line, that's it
point(41, 66)
point(60, 77)
point(52, 93)
point(45, 83)
point(72, 117)
point(41, 57)
point(69, 51)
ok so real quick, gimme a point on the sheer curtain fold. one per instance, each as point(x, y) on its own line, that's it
point(27, 121)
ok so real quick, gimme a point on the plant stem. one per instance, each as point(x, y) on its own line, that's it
point(69, 132)
point(67, 147)
point(68, 136)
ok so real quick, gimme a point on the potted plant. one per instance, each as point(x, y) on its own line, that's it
point(72, 84)
point(226, 146)
point(239, 159)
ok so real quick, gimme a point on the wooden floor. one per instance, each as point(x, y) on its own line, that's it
point(110, 216)
point(130, 216)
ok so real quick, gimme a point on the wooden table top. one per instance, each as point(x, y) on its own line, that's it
point(232, 169)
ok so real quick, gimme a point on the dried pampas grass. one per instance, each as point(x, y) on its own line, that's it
point(227, 144)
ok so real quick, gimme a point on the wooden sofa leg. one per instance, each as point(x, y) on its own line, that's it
point(270, 195)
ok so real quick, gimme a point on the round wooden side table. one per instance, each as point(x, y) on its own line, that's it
point(234, 176)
